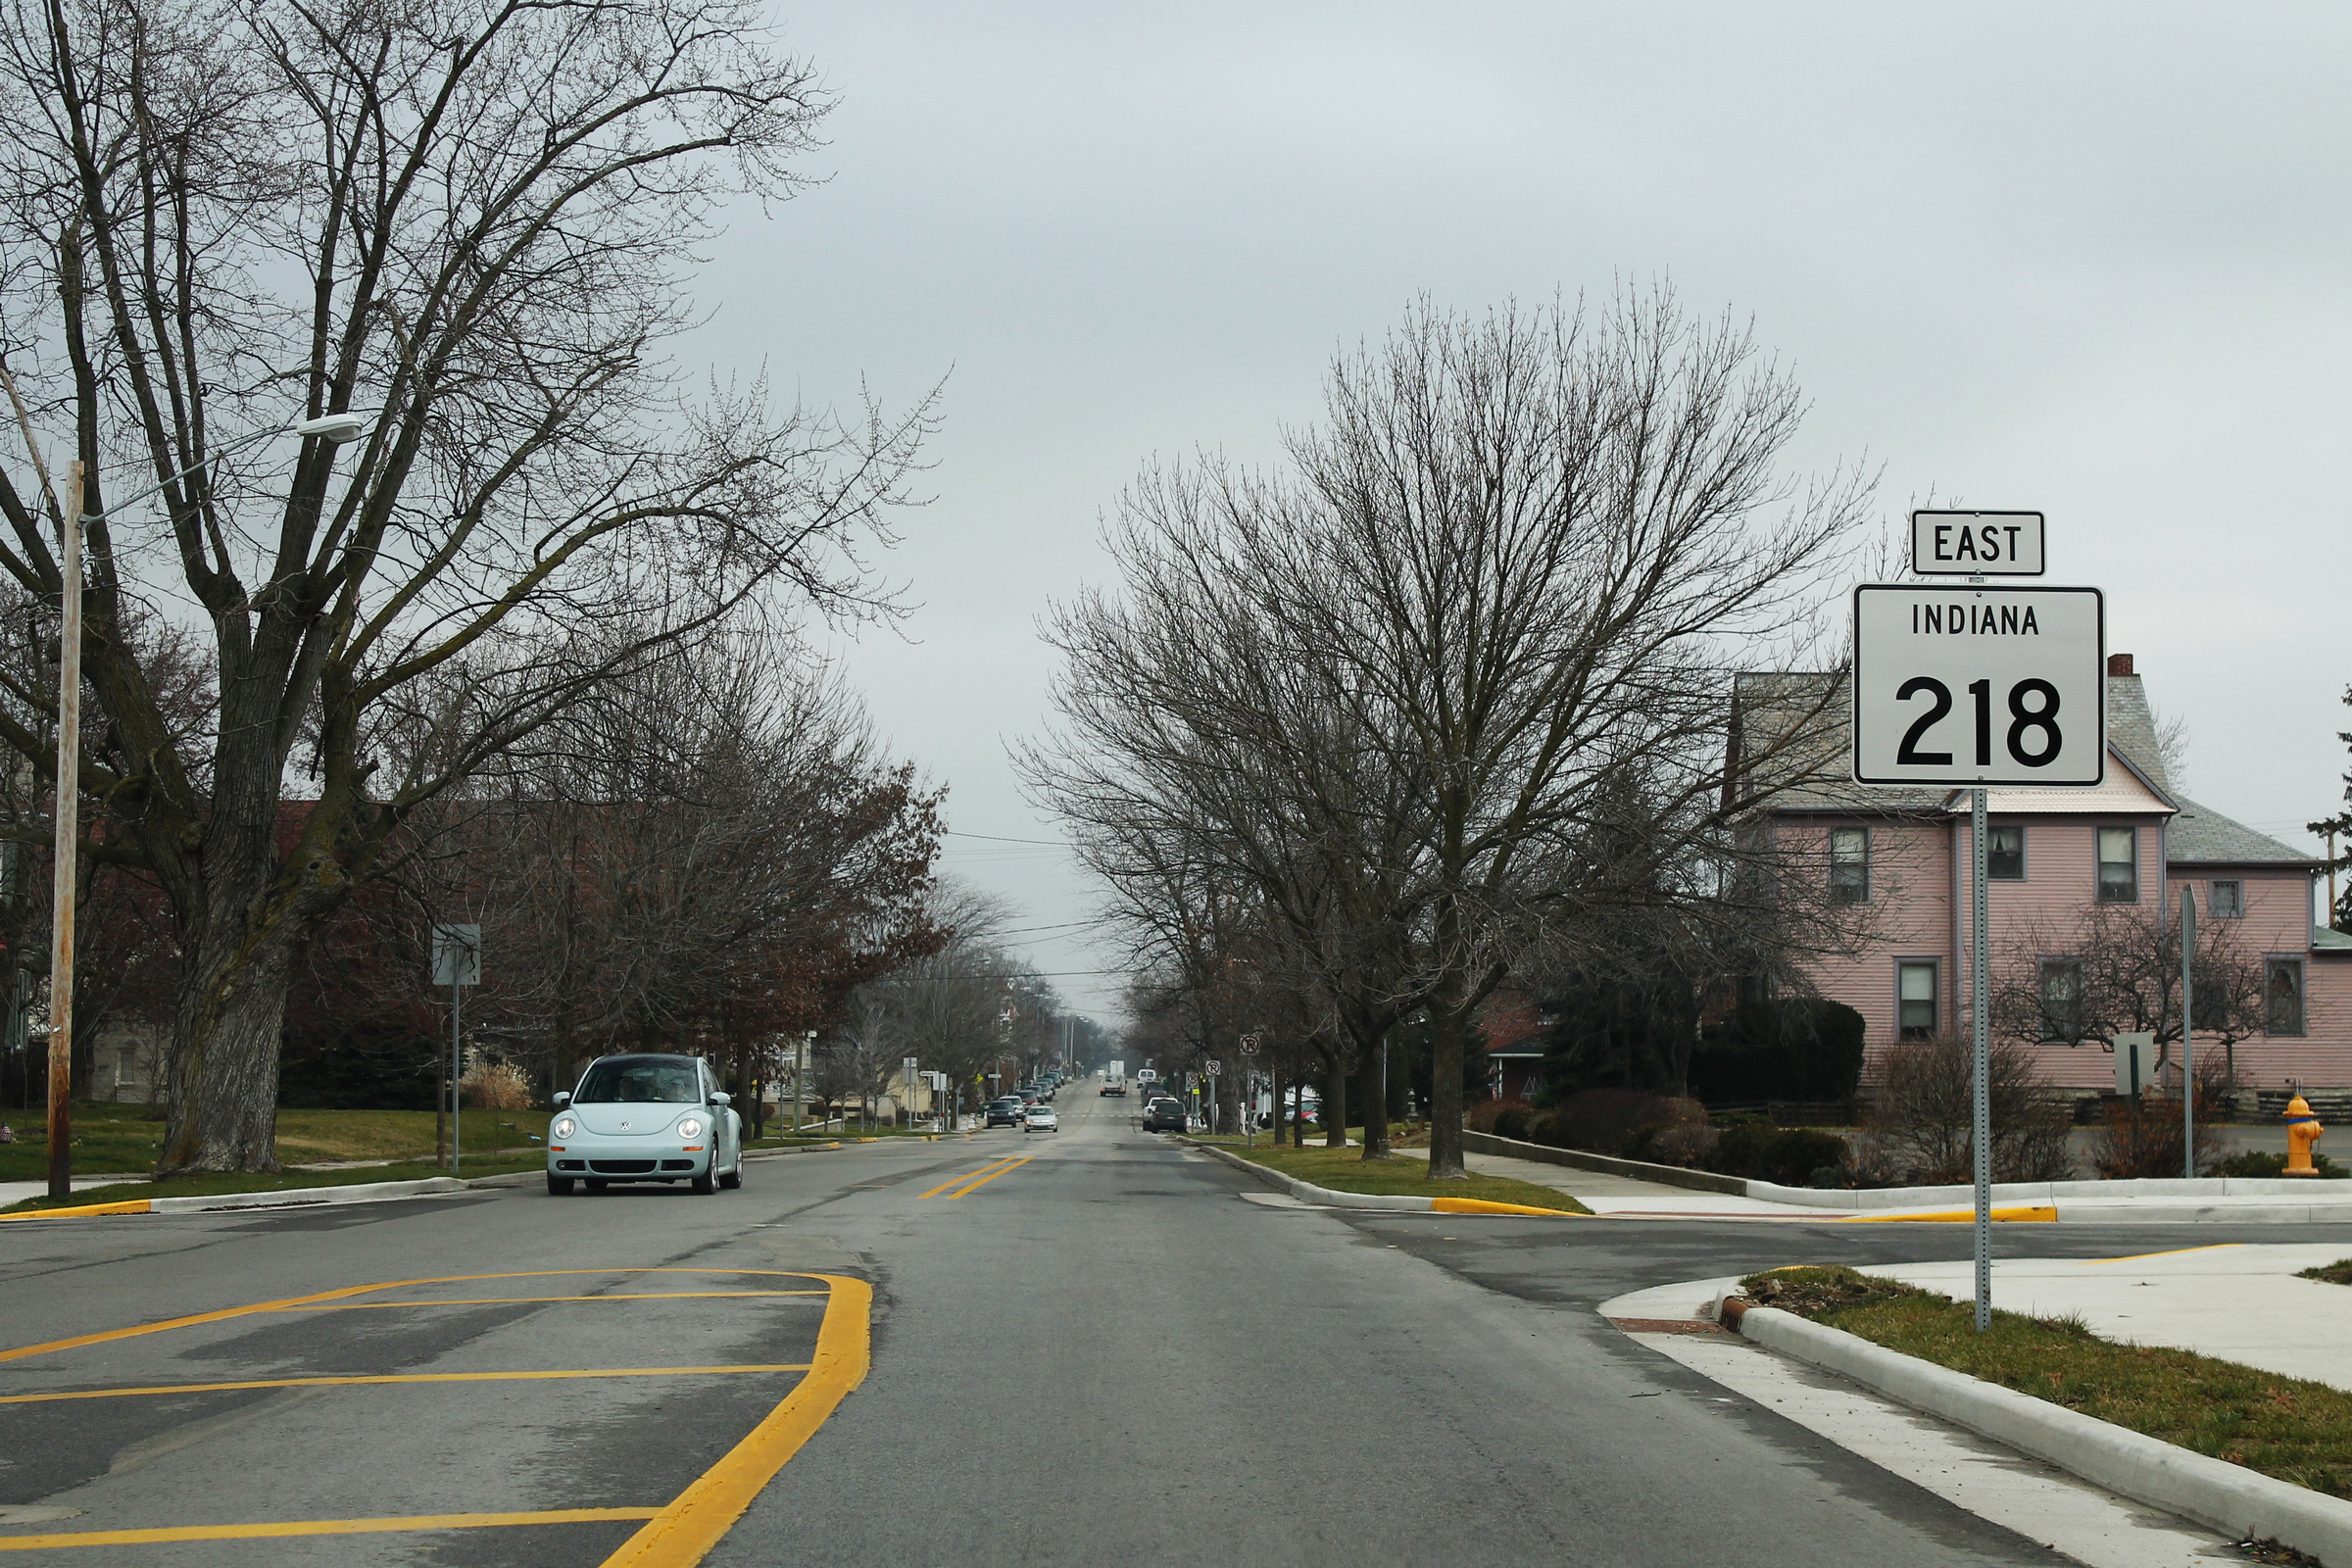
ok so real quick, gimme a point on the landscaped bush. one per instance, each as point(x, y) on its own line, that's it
point(1511, 1121)
point(1681, 1143)
point(1482, 1116)
point(1921, 1118)
point(2264, 1162)
point(1798, 1048)
point(1790, 1156)
point(2142, 1137)
point(1604, 1120)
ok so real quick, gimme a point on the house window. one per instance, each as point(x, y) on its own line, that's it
point(2119, 866)
point(2282, 997)
point(1849, 865)
point(2005, 854)
point(2227, 900)
point(2062, 1010)
point(1915, 1000)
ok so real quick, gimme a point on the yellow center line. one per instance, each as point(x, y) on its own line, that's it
point(509, 1301)
point(106, 1336)
point(698, 1518)
point(395, 1377)
point(2142, 1257)
point(968, 1188)
point(994, 1167)
point(320, 1526)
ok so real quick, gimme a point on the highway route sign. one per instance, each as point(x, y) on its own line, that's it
point(1977, 544)
point(1967, 685)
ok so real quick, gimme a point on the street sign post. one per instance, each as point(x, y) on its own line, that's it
point(457, 963)
point(1976, 544)
point(1972, 686)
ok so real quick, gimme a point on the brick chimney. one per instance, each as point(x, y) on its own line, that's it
point(2119, 664)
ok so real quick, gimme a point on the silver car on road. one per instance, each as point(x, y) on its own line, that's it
point(644, 1118)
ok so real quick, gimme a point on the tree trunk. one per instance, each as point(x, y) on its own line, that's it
point(1373, 1091)
point(1335, 1106)
point(223, 1055)
point(1448, 1036)
point(1274, 1067)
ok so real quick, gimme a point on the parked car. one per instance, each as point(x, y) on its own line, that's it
point(1005, 1112)
point(1041, 1119)
point(643, 1118)
point(1163, 1117)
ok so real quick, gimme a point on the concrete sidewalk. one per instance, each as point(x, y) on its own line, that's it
point(2237, 1301)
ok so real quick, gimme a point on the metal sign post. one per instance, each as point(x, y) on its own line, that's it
point(457, 963)
point(2188, 1061)
point(1974, 685)
point(1979, 992)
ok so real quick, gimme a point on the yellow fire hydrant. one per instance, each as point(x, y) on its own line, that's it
point(2302, 1131)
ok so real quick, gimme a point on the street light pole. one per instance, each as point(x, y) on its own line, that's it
point(68, 821)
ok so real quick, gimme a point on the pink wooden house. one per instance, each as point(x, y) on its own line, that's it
point(1898, 857)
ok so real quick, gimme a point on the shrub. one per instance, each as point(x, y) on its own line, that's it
point(1921, 1124)
point(1790, 1157)
point(2266, 1162)
point(2142, 1137)
point(1604, 1120)
point(1483, 1114)
point(497, 1086)
point(1786, 1049)
point(1683, 1143)
point(1511, 1121)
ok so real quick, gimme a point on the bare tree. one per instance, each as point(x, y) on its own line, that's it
point(471, 222)
point(1499, 593)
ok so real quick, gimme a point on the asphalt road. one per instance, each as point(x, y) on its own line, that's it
point(1105, 1354)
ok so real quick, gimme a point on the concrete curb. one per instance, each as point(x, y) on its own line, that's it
point(2208, 1199)
point(1399, 1203)
point(2224, 1497)
point(282, 1197)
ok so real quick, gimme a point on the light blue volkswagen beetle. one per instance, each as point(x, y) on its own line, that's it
point(643, 1118)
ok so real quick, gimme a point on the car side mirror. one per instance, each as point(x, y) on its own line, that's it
point(562, 1098)
point(721, 1098)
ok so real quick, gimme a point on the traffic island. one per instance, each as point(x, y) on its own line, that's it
point(1343, 1178)
point(2249, 1451)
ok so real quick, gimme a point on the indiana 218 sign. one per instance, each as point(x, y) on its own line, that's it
point(1980, 685)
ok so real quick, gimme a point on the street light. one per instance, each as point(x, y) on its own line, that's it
point(332, 428)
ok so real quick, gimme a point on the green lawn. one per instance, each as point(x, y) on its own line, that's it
point(2289, 1428)
point(208, 1185)
point(1346, 1170)
point(109, 1138)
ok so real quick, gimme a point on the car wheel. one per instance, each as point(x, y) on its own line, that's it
point(557, 1186)
point(595, 1186)
point(708, 1182)
point(734, 1178)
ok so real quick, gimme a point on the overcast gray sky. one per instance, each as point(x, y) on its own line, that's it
point(2084, 259)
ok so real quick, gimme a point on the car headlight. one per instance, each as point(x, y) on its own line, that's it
point(691, 1127)
point(563, 1128)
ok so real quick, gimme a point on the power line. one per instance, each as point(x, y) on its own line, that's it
point(998, 838)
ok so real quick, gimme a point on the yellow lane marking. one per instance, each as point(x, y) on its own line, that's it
point(2142, 1257)
point(698, 1518)
point(131, 1206)
point(320, 1526)
point(108, 1335)
point(969, 1188)
point(2044, 1214)
point(394, 1377)
point(990, 1168)
point(1481, 1206)
point(506, 1300)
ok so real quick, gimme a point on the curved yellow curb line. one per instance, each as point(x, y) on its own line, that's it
point(133, 1206)
point(680, 1535)
point(1481, 1206)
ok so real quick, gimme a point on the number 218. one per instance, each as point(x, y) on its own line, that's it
point(2040, 718)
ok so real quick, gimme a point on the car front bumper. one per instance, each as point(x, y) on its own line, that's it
point(607, 1158)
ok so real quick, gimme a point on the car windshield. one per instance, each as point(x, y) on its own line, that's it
point(655, 1080)
point(1041, 1113)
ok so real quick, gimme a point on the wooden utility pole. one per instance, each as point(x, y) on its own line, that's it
point(68, 848)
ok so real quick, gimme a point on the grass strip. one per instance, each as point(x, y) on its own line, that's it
point(2338, 1272)
point(110, 1136)
point(282, 1181)
point(2291, 1429)
point(1346, 1170)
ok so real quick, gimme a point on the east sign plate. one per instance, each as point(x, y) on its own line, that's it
point(1967, 685)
